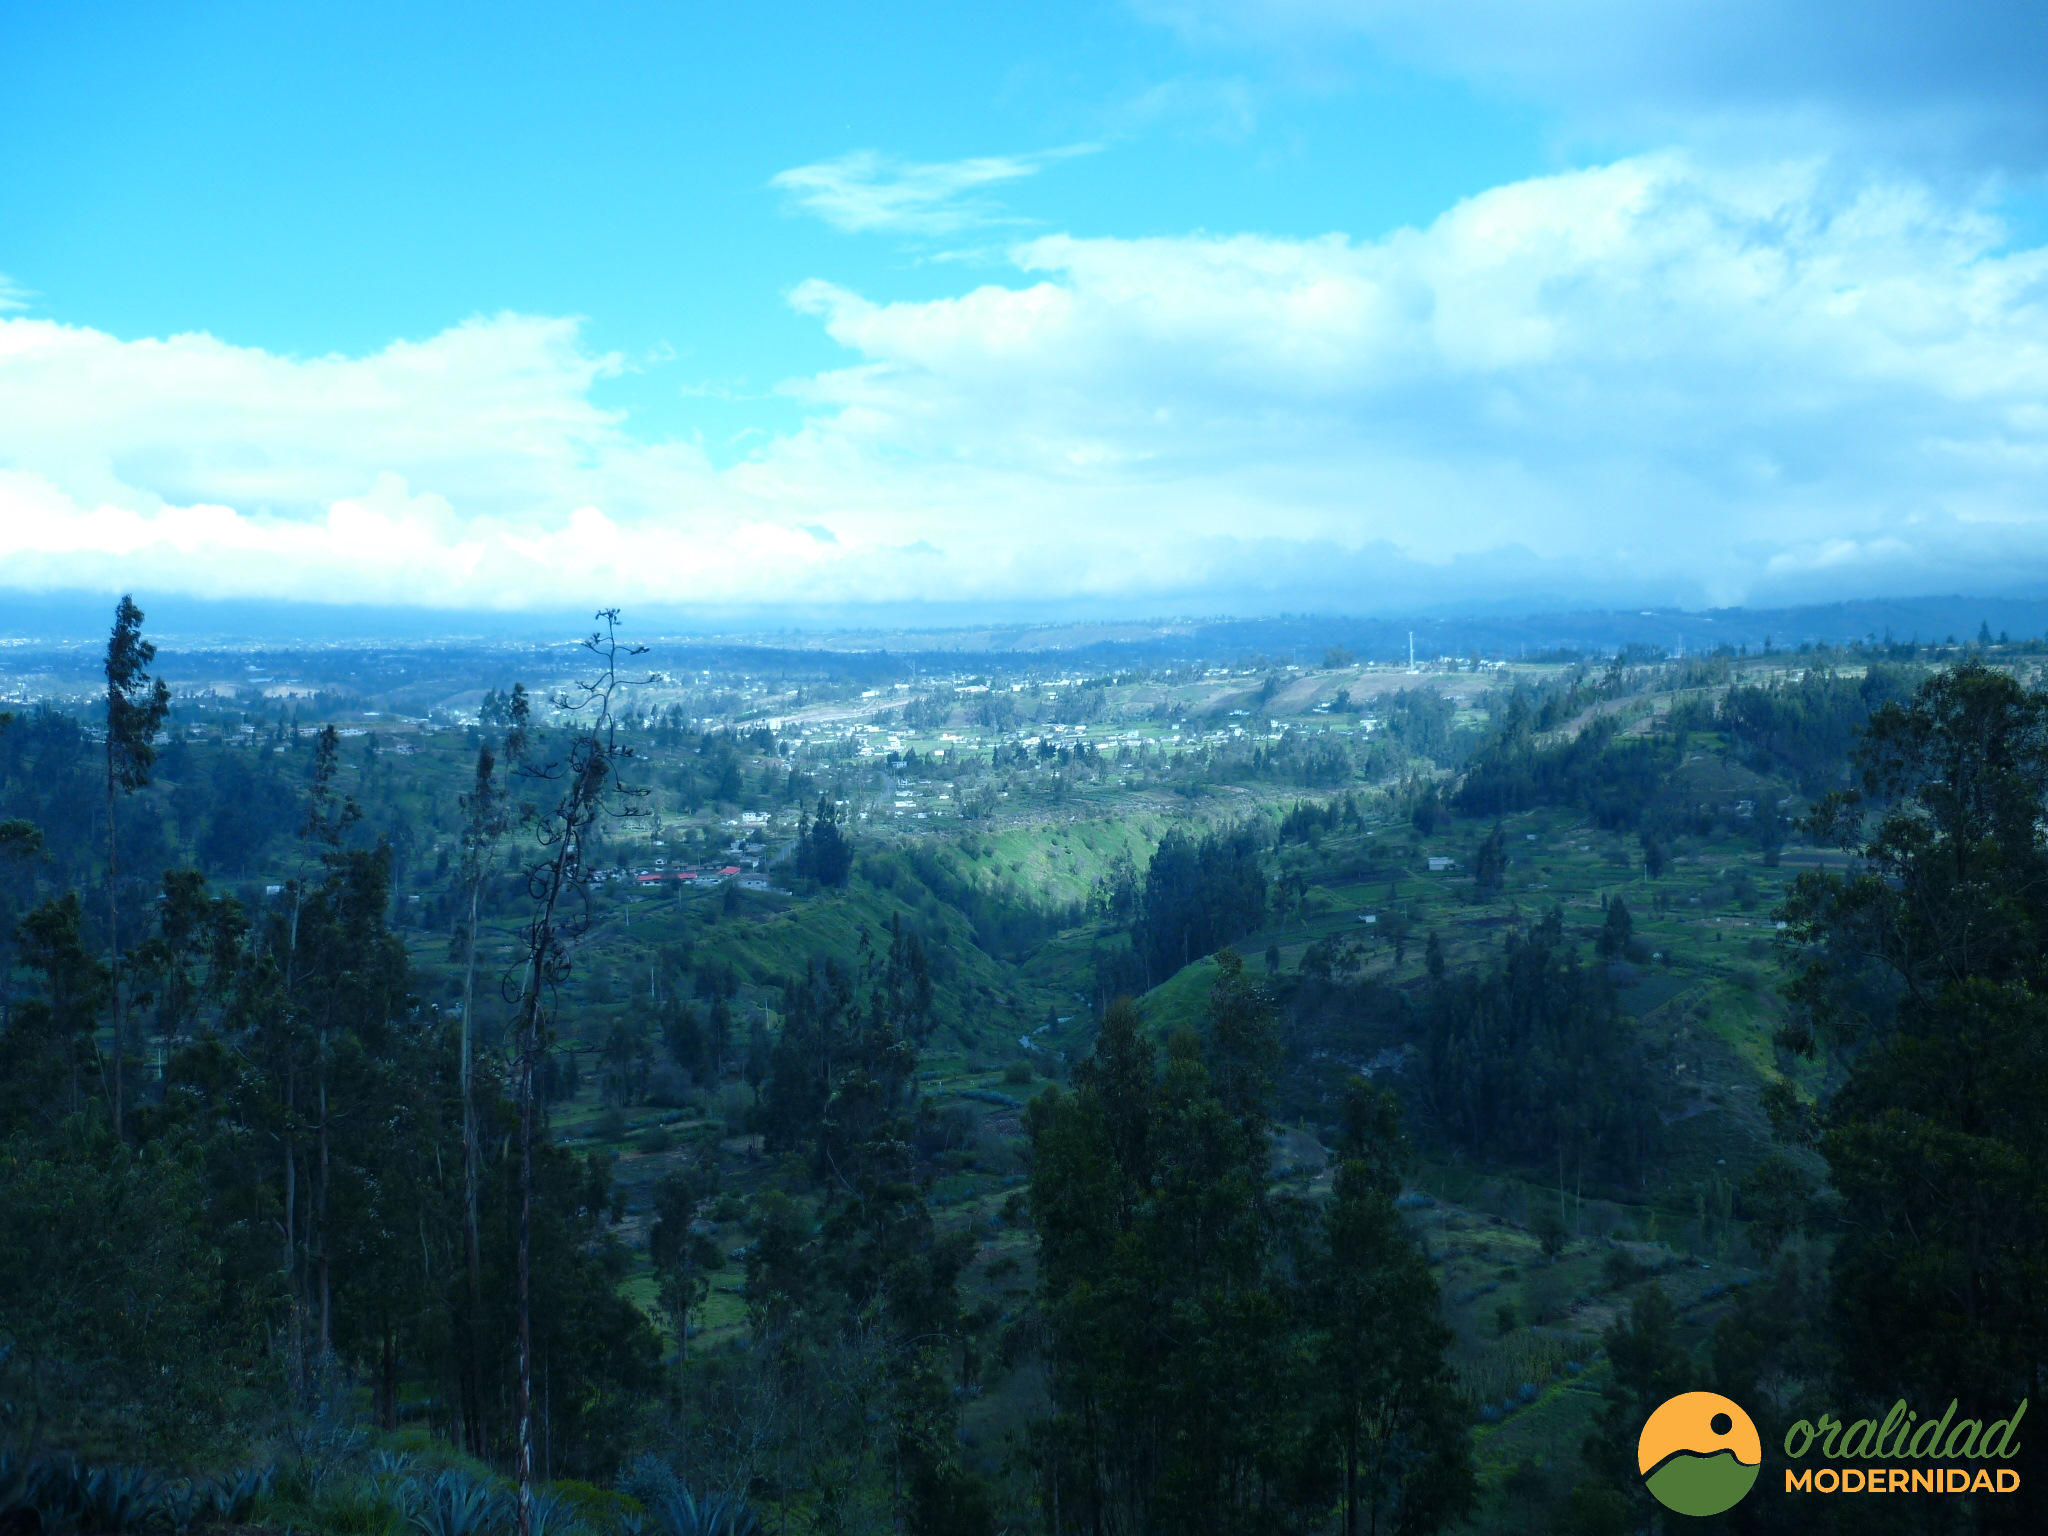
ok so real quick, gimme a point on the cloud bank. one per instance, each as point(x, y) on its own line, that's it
point(1965, 80)
point(1651, 381)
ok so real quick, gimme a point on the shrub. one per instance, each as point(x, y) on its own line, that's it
point(363, 1507)
point(1592, 1511)
point(1548, 1295)
point(729, 1208)
point(734, 1103)
point(1621, 1269)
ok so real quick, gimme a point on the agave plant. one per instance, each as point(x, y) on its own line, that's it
point(55, 1489)
point(393, 1463)
point(233, 1496)
point(117, 1499)
point(456, 1504)
point(17, 1485)
point(321, 1449)
point(684, 1514)
point(554, 1515)
point(183, 1503)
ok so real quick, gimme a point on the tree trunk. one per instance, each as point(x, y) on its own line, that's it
point(472, 1251)
point(588, 773)
point(113, 940)
point(388, 1382)
point(526, 1277)
point(320, 1220)
point(291, 1250)
point(291, 1164)
point(529, 1032)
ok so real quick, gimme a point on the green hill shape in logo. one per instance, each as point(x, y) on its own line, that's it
point(1688, 1484)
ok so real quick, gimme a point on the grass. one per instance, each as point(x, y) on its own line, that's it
point(1495, 1371)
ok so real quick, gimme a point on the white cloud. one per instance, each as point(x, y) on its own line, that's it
point(1653, 380)
point(1921, 78)
point(865, 191)
point(1646, 369)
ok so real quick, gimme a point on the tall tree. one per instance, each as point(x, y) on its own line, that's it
point(1199, 894)
point(136, 706)
point(1387, 1399)
point(486, 813)
point(585, 783)
point(683, 1258)
point(824, 852)
point(1490, 864)
point(1223, 1357)
point(1617, 933)
point(875, 1280)
point(311, 995)
point(47, 1051)
point(1649, 1366)
point(1530, 1060)
point(1927, 974)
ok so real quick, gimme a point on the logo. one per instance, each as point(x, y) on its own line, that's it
point(1699, 1454)
point(1897, 1438)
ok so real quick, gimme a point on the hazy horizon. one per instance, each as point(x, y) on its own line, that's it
point(51, 645)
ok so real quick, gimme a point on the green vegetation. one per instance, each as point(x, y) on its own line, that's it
point(1222, 1357)
point(895, 1139)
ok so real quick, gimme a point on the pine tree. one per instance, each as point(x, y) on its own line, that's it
point(136, 707)
point(1617, 933)
point(1490, 864)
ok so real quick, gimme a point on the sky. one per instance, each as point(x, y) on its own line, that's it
point(1163, 306)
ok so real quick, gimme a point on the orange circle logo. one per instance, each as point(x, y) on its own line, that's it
point(1699, 1454)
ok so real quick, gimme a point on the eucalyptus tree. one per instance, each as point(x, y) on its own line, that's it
point(573, 788)
point(1386, 1400)
point(487, 815)
point(329, 816)
point(683, 1258)
point(21, 843)
point(136, 707)
point(1224, 1357)
point(1924, 973)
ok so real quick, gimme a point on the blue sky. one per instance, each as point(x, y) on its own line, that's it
point(315, 183)
point(1316, 303)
